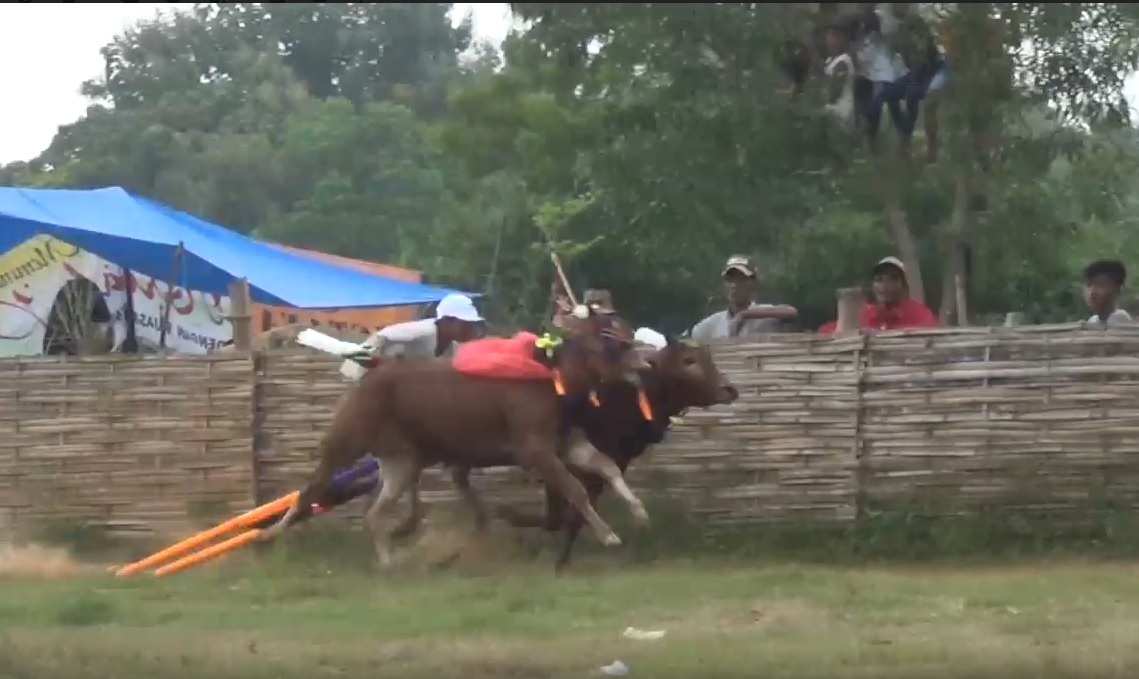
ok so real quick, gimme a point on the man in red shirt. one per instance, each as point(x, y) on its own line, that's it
point(892, 308)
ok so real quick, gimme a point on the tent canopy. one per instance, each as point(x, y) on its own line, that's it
point(144, 236)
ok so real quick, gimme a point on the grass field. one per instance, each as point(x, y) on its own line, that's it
point(990, 596)
point(722, 620)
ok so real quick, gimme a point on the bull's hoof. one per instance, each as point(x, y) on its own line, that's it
point(384, 560)
point(640, 515)
point(611, 540)
point(447, 561)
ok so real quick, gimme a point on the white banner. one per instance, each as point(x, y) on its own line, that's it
point(36, 283)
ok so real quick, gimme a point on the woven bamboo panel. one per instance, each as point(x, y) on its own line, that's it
point(1037, 418)
point(784, 450)
point(1033, 418)
point(132, 443)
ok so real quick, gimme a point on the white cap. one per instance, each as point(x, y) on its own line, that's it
point(650, 337)
point(459, 307)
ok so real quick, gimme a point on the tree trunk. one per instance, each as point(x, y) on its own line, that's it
point(954, 272)
point(907, 249)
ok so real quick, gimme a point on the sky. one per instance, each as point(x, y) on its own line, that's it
point(44, 76)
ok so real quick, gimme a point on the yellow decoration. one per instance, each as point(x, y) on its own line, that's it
point(548, 343)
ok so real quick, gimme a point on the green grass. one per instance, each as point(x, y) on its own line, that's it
point(902, 595)
point(722, 621)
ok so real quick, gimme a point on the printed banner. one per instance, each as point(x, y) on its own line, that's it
point(41, 279)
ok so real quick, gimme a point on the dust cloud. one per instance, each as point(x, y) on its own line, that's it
point(19, 559)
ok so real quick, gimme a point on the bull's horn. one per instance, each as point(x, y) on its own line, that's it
point(314, 339)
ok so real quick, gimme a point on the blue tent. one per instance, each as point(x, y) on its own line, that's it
point(144, 236)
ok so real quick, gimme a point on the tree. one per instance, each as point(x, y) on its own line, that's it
point(645, 142)
point(367, 183)
point(360, 51)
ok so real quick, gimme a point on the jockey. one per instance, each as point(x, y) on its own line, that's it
point(456, 320)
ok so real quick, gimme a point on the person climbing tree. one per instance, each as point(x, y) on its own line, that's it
point(915, 42)
point(884, 68)
point(840, 71)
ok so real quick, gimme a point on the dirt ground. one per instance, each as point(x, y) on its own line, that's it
point(493, 618)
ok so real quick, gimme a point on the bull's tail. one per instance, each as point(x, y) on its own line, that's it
point(316, 487)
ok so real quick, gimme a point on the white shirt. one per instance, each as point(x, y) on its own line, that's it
point(414, 338)
point(1116, 318)
point(841, 68)
point(718, 326)
point(877, 62)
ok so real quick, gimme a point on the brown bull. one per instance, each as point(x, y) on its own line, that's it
point(415, 414)
point(680, 377)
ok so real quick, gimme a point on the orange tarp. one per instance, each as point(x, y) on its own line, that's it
point(361, 319)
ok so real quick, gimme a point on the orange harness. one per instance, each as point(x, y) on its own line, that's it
point(642, 400)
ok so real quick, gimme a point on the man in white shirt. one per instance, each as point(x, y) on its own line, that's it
point(456, 320)
point(743, 316)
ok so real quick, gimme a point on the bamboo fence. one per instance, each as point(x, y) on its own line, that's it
point(136, 444)
point(1030, 418)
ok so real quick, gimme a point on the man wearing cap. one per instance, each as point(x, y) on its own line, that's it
point(743, 315)
point(601, 301)
point(456, 320)
point(892, 308)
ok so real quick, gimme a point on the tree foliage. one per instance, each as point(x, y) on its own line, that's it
point(645, 142)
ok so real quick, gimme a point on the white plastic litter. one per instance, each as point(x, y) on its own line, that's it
point(643, 634)
point(616, 669)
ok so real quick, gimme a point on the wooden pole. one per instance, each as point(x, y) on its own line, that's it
point(240, 317)
point(562, 275)
point(1014, 318)
point(241, 322)
point(850, 303)
point(171, 286)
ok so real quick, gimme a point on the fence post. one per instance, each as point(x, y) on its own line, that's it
point(1014, 318)
point(240, 316)
point(241, 322)
point(858, 449)
point(850, 303)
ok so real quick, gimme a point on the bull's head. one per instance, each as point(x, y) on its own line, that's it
point(606, 343)
point(692, 376)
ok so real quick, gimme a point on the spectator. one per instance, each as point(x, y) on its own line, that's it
point(884, 69)
point(892, 308)
point(1103, 283)
point(743, 316)
point(915, 42)
point(601, 301)
point(840, 72)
